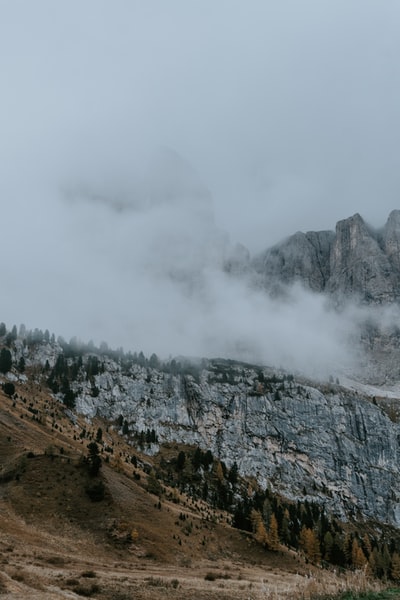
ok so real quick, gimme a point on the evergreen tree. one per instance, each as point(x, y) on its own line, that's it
point(366, 546)
point(196, 459)
point(328, 545)
point(9, 389)
point(310, 544)
point(219, 473)
point(395, 567)
point(154, 362)
point(357, 556)
point(180, 463)
point(260, 533)
point(285, 527)
point(5, 360)
point(94, 460)
point(373, 563)
point(233, 474)
point(207, 459)
point(273, 534)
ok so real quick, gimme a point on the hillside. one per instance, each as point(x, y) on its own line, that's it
point(56, 543)
point(174, 512)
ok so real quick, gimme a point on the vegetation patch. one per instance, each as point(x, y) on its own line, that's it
point(390, 594)
point(87, 591)
point(89, 574)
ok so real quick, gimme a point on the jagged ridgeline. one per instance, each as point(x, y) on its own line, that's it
point(354, 261)
point(312, 466)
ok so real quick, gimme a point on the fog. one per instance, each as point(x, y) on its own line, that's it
point(141, 141)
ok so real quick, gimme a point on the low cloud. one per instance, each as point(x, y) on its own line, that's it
point(147, 273)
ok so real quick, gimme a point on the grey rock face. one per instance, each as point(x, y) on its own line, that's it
point(391, 240)
point(359, 266)
point(336, 445)
point(353, 261)
point(304, 257)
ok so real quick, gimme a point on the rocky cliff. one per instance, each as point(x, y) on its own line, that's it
point(326, 444)
point(307, 441)
point(355, 261)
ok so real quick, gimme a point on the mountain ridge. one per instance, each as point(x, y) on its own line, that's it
point(354, 261)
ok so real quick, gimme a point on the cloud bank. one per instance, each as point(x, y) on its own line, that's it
point(143, 267)
point(286, 117)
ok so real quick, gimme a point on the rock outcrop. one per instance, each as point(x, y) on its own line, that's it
point(326, 444)
point(303, 257)
point(355, 261)
point(359, 266)
point(391, 239)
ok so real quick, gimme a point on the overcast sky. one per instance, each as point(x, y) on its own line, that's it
point(272, 117)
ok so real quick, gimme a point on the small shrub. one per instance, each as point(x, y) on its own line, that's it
point(89, 574)
point(72, 581)
point(56, 560)
point(96, 491)
point(87, 592)
point(155, 582)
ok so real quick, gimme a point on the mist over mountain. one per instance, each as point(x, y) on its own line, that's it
point(264, 130)
point(143, 264)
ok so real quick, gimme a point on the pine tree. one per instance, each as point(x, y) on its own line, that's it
point(233, 474)
point(219, 473)
point(366, 545)
point(386, 560)
point(373, 563)
point(196, 459)
point(260, 533)
point(328, 545)
point(285, 527)
point(180, 463)
point(5, 360)
point(310, 544)
point(273, 534)
point(94, 459)
point(395, 567)
point(357, 556)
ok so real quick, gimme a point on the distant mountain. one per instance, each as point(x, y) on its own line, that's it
point(354, 261)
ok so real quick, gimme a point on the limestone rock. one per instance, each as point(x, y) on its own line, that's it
point(333, 444)
point(303, 257)
point(353, 262)
point(359, 266)
point(391, 239)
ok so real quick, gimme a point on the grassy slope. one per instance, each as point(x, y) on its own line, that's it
point(51, 534)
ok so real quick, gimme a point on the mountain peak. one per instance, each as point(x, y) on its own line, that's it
point(352, 261)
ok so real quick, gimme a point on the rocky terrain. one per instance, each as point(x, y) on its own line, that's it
point(236, 444)
point(354, 261)
point(319, 442)
point(354, 267)
point(322, 443)
point(141, 538)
